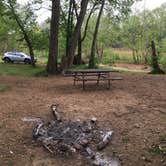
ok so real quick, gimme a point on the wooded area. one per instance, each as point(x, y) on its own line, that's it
point(81, 32)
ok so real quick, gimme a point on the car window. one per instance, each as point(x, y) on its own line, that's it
point(11, 53)
point(20, 55)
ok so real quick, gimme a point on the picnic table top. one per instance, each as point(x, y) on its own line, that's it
point(90, 70)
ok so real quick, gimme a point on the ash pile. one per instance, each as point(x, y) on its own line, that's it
point(66, 137)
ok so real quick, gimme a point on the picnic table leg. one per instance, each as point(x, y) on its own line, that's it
point(83, 82)
point(98, 80)
point(109, 84)
point(74, 83)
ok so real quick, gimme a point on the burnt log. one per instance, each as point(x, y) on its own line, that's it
point(106, 139)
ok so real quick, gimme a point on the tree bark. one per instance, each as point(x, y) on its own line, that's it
point(68, 27)
point(92, 56)
point(52, 67)
point(75, 35)
point(79, 55)
point(87, 22)
point(155, 65)
point(81, 39)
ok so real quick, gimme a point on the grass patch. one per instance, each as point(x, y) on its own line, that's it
point(112, 55)
point(83, 66)
point(155, 149)
point(122, 70)
point(4, 88)
point(19, 69)
point(159, 148)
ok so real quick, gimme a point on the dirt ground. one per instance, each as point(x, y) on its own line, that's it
point(134, 108)
point(132, 67)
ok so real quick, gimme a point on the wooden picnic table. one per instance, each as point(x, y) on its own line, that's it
point(85, 75)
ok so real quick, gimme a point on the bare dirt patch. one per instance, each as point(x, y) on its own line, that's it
point(132, 67)
point(134, 108)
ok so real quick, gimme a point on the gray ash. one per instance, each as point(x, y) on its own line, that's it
point(66, 137)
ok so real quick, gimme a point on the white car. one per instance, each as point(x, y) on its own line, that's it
point(16, 57)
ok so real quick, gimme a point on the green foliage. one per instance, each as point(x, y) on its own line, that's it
point(110, 58)
point(84, 66)
point(40, 39)
point(156, 150)
point(163, 47)
point(159, 148)
point(162, 61)
point(134, 32)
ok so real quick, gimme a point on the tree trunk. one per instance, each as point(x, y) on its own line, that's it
point(92, 56)
point(134, 56)
point(87, 22)
point(99, 50)
point(31, 52)
point(79, 56)
point(52, 67)
point(77, 29)
point(81, 39)
point(68, 27)
point(155, 65)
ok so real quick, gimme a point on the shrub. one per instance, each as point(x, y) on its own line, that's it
point(162, 61)
point(110, 59)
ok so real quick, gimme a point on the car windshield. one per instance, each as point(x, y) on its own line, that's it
point(12, 53)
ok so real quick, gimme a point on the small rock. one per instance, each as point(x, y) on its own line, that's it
point(11, 152)
point(146, 159)
point(137, 125)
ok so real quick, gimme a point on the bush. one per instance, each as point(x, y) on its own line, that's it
point(163, 45)
point(110, 59)
point(162, 61)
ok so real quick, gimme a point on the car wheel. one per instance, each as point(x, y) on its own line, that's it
point(7, 60)
point(27, 61)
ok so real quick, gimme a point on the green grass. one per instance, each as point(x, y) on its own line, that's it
point(83, 66)
point(159, 148)
point(156, 150)
point(19, 69)
point(122, 70)
point(112, 55)
point(4, 88)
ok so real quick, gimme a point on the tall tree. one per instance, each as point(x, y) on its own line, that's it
point(69, 26)
point(24, 23)
point(76, 33)
point(52, 67)
point(155, 64)
point(92, 55)
point(82, 38)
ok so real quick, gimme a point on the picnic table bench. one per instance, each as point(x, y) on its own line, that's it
point(85, 75)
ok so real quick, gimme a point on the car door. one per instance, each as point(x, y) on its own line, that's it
point(12, 56)
point(19, 57)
